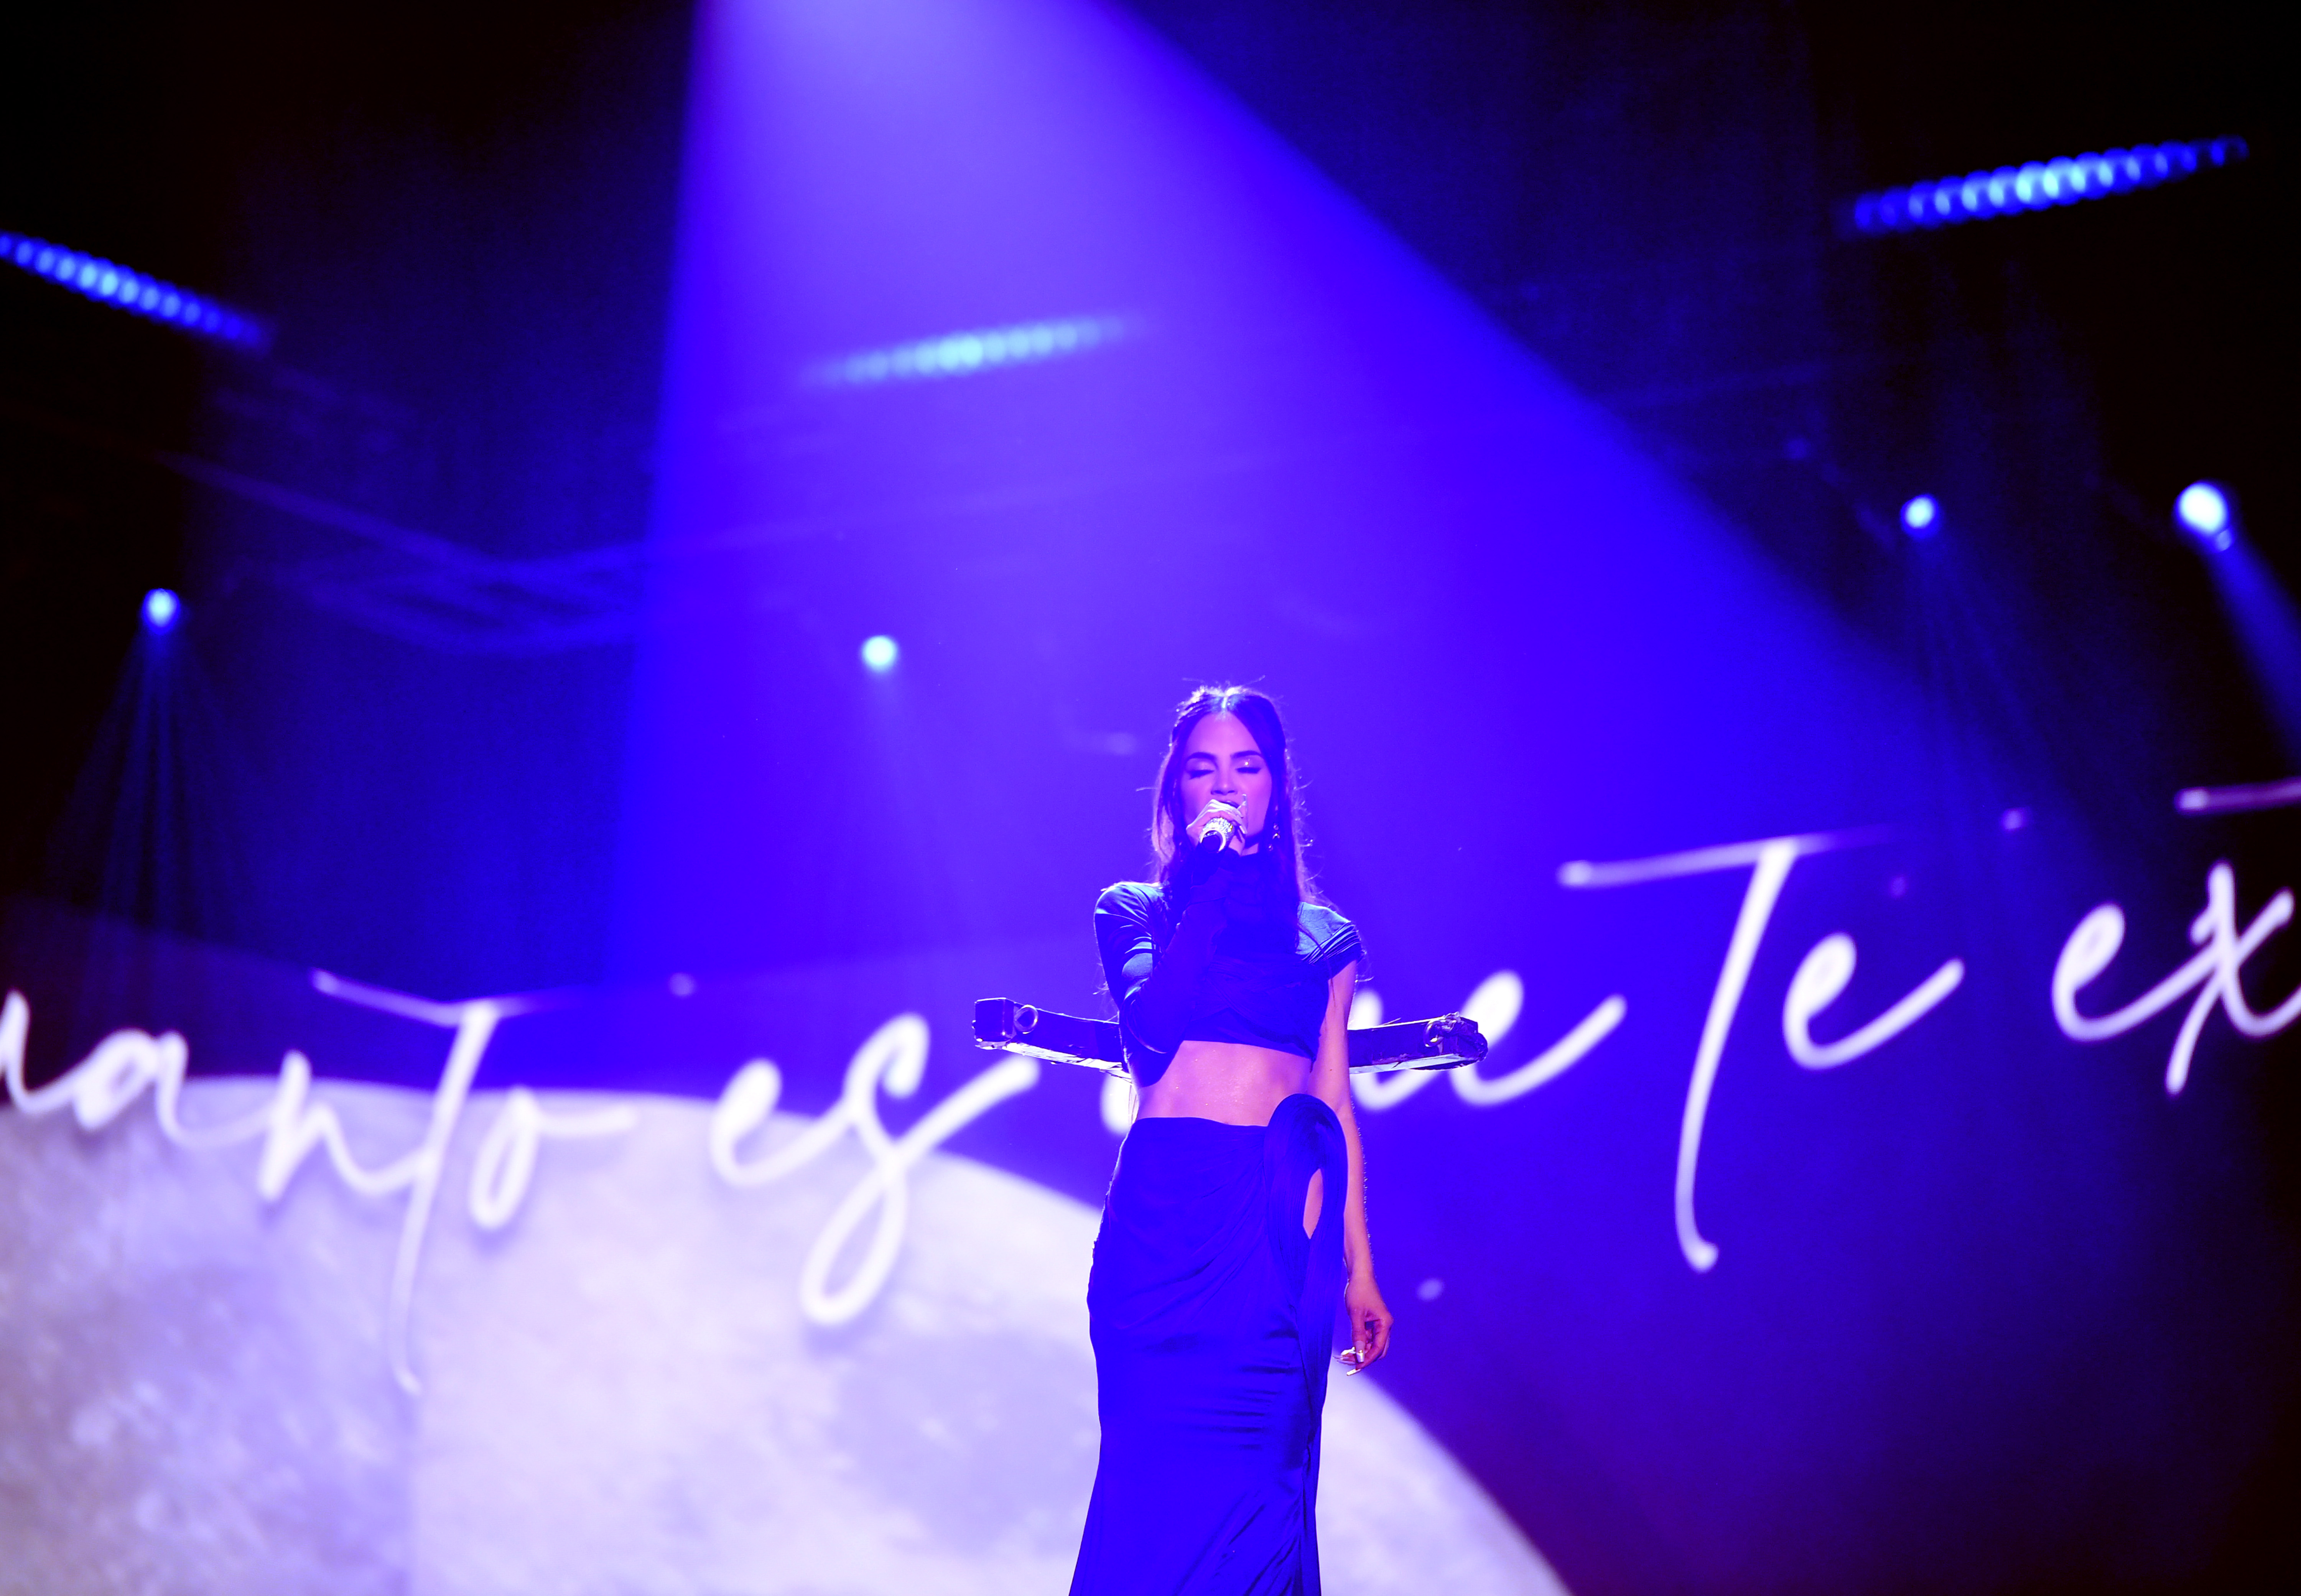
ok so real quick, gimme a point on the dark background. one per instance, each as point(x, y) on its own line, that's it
point(461, 228)
point(460, 224)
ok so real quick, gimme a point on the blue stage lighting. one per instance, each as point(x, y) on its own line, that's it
point(2203, 512)
point(2040, 185)
point(100, 280)
point(880, 653)
point(160, 609)
point(1921, 516)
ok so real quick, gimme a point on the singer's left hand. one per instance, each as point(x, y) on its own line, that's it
point(1370, 1321)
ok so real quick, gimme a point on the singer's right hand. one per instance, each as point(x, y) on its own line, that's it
point(1220, 808)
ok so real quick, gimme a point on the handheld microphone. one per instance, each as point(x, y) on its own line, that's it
point(1217, 834)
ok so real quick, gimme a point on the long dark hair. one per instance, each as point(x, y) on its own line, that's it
point(1282, 829)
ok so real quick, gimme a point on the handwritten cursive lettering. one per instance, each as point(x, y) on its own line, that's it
point(1501, 995)
point(505, 1161)
point(1820, 980)
point(291, 1125)
point(2214, 972)
point(1770, 861)
point(893, 1057)
point(1495, 1004)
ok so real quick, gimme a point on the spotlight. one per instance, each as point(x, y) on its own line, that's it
point(2203, 512)
point(880, 653)
point(1920, 516)
point(160, 609)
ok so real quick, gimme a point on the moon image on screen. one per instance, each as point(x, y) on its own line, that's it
point(619, 1391)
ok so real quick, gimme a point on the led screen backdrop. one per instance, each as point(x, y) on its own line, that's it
point(1865, 1190)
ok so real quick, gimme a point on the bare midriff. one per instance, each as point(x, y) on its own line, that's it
point(1231, 1082)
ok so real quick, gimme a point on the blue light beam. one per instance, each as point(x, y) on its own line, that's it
point(2262, 614)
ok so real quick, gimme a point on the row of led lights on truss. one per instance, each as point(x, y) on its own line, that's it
point(966, 354)
point(2203, 510)
point(2040, 185)
point(107, 282)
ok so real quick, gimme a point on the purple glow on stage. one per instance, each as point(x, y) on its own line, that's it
point(1312, 463)
point(1868, 1185)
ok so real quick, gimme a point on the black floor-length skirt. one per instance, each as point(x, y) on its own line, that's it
point(1212, 1315)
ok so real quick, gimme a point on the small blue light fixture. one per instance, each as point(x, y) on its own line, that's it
point(880, 654)
point(2203, 511)
point(161, 608)
point(1920, 516)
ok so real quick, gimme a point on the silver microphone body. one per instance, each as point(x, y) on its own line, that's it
point(1217, 833)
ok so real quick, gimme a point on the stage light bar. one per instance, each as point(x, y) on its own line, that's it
point(2040, 185)
point(110, 283)
point(966, 354)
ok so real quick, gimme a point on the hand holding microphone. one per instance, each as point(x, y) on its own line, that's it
point(1217, 826)
point(1210, 836)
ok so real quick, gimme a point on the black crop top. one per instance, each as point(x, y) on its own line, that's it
point(1225, 969)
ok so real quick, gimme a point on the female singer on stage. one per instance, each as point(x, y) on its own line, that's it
point(1237, 1214)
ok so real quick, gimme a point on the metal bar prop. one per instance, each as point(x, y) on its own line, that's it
point(1448, 1042)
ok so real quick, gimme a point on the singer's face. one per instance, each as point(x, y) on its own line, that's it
point(1220, 761)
